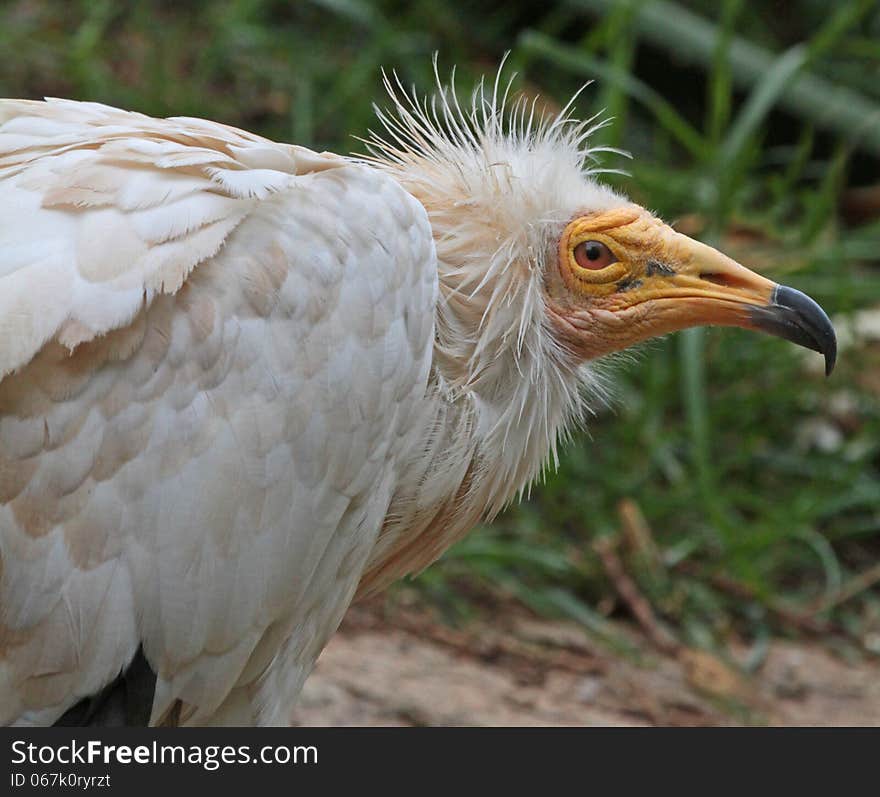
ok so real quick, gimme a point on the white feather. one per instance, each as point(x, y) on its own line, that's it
point(244, 380)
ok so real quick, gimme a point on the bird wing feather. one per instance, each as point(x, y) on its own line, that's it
point(104, 209)
point(213, 347)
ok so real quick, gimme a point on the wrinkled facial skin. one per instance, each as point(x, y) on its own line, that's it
point(624, 276)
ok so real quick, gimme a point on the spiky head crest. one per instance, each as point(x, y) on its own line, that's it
point(499, 180)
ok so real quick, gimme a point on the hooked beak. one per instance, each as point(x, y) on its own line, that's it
point(794, 316)
point(686, 283)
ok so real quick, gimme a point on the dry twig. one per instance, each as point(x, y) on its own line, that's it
point(661, 638)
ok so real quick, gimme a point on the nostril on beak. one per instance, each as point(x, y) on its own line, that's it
point(723, 279)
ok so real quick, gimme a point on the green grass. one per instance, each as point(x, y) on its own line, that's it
point(745, 123)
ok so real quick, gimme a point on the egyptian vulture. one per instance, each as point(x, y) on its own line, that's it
point(244, 383)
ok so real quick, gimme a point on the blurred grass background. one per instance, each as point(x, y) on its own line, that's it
point(735, 488)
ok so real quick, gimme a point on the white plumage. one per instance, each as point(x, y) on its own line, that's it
point(243, 381)
point(213, 396)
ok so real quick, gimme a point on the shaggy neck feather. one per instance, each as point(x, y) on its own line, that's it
point(498, 186)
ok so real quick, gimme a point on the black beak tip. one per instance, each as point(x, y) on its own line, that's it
point(796, 317)
point(831, 358)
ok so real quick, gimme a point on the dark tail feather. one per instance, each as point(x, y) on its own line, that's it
point(126, 701)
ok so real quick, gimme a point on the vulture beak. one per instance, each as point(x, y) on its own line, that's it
point(668, 281)
point(712, 289)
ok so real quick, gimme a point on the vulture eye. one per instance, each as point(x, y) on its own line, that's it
point(593, 255)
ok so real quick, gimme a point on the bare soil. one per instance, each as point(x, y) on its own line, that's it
point(401, 666)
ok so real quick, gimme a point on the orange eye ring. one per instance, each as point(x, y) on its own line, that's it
point(593, 255)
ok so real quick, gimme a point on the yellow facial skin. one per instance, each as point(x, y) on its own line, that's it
point(663, 281)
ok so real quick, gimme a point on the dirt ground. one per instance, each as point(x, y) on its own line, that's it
point(403, 667)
